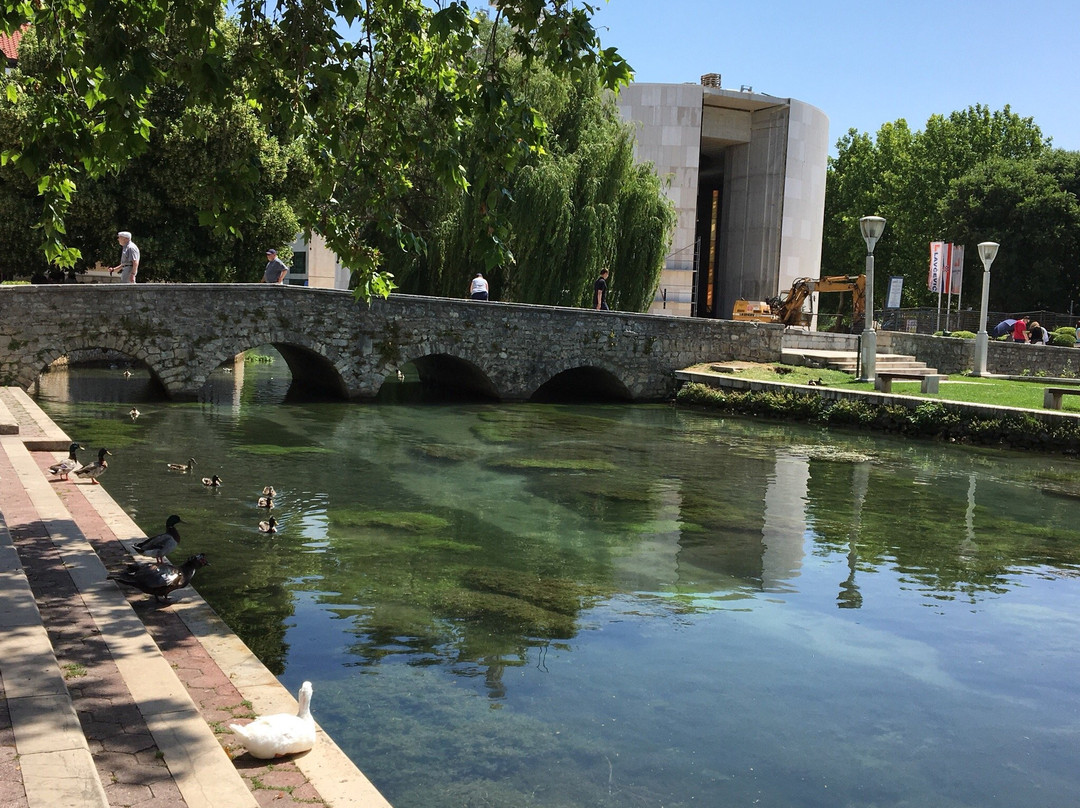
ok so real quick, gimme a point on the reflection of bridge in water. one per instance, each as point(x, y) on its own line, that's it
point(336, 345)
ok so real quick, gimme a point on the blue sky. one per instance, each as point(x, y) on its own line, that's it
point(867, 63)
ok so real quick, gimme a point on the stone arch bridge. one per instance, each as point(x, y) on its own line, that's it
point(338, 345)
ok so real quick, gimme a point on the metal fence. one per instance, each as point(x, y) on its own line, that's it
point(928, 321)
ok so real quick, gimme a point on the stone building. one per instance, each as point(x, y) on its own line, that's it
point(746, 172)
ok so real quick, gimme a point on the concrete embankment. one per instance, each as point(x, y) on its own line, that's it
point(109, 698)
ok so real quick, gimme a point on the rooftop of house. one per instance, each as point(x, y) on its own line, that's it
point(9, 44)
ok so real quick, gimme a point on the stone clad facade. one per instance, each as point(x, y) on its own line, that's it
point(182, 332)
point(746, 174)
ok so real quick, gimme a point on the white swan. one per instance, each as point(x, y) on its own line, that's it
point(281, 733)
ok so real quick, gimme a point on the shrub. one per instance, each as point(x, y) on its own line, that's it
point(846, 411)
point(1063, 337)
point(928, 419)
point(963, 334)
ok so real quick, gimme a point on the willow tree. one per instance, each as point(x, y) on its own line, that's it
point(577, 206)
point(332, 76)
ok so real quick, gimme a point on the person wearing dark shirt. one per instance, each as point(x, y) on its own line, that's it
point(275, 269)
point(600, 291)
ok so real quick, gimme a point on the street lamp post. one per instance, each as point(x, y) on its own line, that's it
point(987, 254)
point(872, 227)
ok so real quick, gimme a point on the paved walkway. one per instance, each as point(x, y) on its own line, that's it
point(108, 698)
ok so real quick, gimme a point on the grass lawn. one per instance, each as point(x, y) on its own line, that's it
point(996, 392)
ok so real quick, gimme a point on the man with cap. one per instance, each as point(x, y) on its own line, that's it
point(275, 268)
point(129, 258)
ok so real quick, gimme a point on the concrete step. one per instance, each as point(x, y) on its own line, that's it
point(848, 362)
point(120, 658)
point(54, 760)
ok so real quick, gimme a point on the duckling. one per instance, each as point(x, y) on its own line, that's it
point(184, 467)
point(269, 526)
point(162, 544)
point(268, 491)
point(266, 502)
point(127, 374)
point(280, 734)
point(161, 579)
point(134, 413)
point(65, 467)
point(212, 482)
point(95, 469)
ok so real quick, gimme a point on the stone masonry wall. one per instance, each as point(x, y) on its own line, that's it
point(182, 332)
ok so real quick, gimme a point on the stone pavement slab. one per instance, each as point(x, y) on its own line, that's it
point(144, 713)
point(47, 760)
point(187, 745)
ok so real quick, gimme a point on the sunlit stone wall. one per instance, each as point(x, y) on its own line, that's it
point(182, 332)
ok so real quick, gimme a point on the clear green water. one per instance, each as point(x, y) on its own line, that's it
point(627, 605)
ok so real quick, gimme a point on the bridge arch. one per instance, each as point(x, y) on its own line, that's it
point(444, 375)
point(584, 383)
point(310, 368)
point(65, 346)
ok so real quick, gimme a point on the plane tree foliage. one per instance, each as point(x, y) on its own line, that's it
point(332, 77)
point(1030, 207)
point(164, 194)
point(566, 212)
point(912, 179)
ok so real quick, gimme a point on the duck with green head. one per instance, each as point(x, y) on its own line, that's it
point(162, 544)
point(94, 470)
point(65, 467)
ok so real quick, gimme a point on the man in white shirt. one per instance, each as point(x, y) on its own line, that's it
point(478, 289)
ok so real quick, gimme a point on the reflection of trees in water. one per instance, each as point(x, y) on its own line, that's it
point(938, 532)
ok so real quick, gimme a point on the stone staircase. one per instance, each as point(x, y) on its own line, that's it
point(108, 698)
point(848, 361)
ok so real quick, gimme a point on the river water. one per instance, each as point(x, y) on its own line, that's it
point(558, 605)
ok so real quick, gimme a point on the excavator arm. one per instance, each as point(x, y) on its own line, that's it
point(788, 308)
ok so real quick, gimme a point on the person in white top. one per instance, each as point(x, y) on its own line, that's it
point(478, 289)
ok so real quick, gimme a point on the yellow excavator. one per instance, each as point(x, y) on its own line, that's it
point(787, 308)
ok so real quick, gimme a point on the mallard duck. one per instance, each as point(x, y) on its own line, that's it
point(269, 491)
point(185, 467)
point(280, 734)
point(269, 526)
point(134, 413)
point(160, 579)
point(213, 482)
point(65, 467)
point(266, 502)
point(162, 544)
point(95, 469)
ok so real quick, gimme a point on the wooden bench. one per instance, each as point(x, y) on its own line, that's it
point(883, 380)
point(1052, 396)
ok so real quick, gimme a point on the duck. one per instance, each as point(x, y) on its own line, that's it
point(268, 491)
point(134, 413)
point(127, 374)
point(162, 544)
point(184, 467)
point(212, 482)
point(266, 502)
point(280, 734)
point(269, 526)
point(161, 579)
point(65, 467)
point(95, 469)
